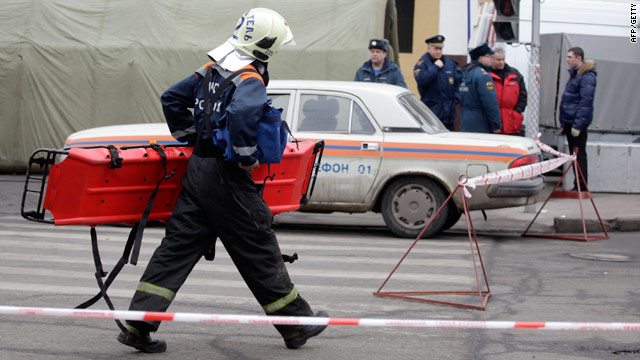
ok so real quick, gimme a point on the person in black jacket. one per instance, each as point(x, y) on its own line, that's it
point(576, 107)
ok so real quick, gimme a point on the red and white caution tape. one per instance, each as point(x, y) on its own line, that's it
point(549, 149)
point(517, 173)
point(299, 320)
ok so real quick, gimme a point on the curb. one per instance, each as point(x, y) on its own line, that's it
point(574, 225)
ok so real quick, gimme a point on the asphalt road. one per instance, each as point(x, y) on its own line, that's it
point(339, 268)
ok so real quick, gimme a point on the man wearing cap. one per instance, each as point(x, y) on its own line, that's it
point(438, 78)
point(379, 69)
point(480, 111)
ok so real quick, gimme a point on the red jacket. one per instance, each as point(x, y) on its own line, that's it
point(512, 98)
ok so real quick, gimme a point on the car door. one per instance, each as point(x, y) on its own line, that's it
point(353, 144)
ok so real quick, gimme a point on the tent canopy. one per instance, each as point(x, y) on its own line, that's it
point(72, 65)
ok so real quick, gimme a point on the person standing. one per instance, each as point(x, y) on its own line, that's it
point(511, 92)
point(576, 106)
point(438, 78)
point(480, 111)
point(378, 68)
point(219, 199)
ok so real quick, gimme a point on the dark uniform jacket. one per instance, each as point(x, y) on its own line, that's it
point(243, 113)
point(479, 105)
point(576, 107)
point(438, 87)
point(512, 98)
point(389, 74)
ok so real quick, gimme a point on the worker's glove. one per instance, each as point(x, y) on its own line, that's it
point(575, 132)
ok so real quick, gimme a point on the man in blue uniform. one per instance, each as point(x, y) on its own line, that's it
point(438, 78)
point(379, 69)
point(480, 111)
point(219, 199)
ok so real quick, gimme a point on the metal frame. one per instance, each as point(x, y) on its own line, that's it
point(482, 294)
point(571, 195)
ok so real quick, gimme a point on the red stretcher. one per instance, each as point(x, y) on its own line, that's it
point(106, 184)
point(132, 185)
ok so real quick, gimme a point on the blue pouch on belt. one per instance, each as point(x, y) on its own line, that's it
point(272, 137)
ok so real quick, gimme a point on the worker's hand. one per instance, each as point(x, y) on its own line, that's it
point(249, 167)
point(438, 63)
point(575, 132)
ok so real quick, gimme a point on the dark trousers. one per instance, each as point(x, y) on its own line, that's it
point(579, 142)
point(219, 200)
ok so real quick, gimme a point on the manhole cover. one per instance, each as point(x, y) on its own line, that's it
point(604, 257)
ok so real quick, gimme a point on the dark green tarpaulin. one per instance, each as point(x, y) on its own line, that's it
point(68, 65)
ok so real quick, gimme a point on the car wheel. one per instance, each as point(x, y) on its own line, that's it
point(410, 203)
point(453, 216)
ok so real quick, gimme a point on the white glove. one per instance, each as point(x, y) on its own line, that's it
point(438, 63)
point(575, 132)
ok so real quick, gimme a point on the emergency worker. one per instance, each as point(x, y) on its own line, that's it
point(511, 92)
point(219, 199)
point(379, 69)
point(438, 78)
point(479, 105)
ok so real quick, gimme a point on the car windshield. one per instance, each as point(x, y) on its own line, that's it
point(421, 113)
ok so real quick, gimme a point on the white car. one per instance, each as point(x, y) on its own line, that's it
point(385, 151)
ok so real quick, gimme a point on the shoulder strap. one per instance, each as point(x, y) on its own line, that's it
point(210, 101)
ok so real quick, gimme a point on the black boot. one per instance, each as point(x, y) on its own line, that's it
point(141, 341)
point(296, 340)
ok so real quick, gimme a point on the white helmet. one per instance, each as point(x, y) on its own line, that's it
point(260, 32)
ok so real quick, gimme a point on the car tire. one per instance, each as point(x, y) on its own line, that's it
point(410, 203)
point(453, 216)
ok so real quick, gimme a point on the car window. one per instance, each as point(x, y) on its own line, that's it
point(324, 113)
point(421, 113)
point(280, 101)
point(360, 124)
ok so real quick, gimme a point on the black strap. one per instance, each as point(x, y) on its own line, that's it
point(137, 242)
point(134, 242)
point(116, 161)
point(210, 101)
point(99, 275)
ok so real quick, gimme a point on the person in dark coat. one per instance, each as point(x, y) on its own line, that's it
point(576, 106)
point(378, 68)
point(480, 111)
point(219, 199)
point(511, 92)
point(438, 78)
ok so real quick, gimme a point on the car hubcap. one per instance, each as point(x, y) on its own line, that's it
point(413, 206)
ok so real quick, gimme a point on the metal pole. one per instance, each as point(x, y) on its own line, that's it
point(533, 107)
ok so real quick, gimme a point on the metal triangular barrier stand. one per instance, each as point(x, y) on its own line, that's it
point(573, 195)
point(412, 295)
